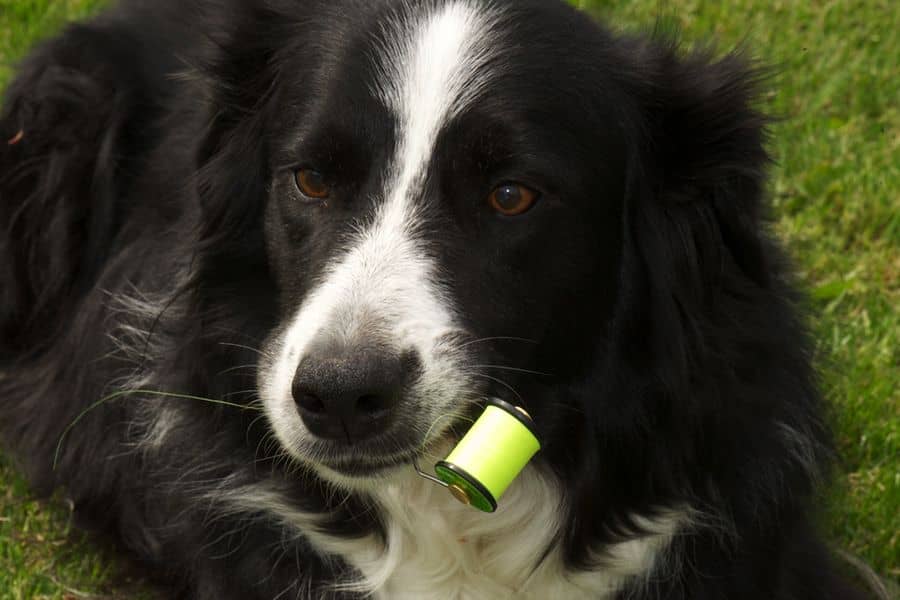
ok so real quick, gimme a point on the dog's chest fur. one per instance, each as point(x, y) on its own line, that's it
point(438, 548)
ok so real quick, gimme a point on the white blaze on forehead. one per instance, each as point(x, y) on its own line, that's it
point(432, 66)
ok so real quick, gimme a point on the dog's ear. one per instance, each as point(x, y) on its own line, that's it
point(707, 156)
point(230, 156)
point(64, 135)
point(695, 218)
point(234, 81)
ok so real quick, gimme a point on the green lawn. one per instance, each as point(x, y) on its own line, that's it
point(836, 193)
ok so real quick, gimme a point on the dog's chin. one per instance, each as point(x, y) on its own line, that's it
point(361, 472)
point(364, 474)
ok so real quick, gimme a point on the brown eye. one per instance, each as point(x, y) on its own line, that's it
point(312, 184)
point(511, 199)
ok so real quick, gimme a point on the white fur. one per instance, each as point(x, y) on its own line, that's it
point(433, 68)
point(437, 548)
point(135, 343)
point(160, 422)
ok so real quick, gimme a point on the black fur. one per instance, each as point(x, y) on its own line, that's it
point(148, 168)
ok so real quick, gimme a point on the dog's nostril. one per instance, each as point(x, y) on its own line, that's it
point(310, 402)
point(372, 405)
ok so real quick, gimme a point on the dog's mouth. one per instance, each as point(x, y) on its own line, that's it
point(373, 462)
point(366, 467)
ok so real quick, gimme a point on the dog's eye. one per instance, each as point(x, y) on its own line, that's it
point(312, 184)
point(511, 199)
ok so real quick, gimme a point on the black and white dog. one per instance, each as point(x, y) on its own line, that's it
point(260, 255)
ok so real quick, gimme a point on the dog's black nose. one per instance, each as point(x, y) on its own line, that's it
point(350, 394)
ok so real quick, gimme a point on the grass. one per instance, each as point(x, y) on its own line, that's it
point(42, 556)
point(836, 192)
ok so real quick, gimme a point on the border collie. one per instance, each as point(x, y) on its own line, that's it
point(261, 256)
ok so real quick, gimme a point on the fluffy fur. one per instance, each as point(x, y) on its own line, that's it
point(165, 287)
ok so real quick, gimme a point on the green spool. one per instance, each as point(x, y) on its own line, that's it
point(490, 456)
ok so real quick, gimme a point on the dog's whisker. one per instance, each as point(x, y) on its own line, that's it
point(262, 353)
point(497, 339)
point(258, 418)
point(516, 369)
point(501, 382)
point(269, 448)
point(238, 368)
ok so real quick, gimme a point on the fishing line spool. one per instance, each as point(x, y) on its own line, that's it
point(489, 457)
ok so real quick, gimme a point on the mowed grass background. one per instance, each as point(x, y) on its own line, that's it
point(836, 198)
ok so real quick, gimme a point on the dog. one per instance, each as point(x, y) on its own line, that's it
point(262, 257)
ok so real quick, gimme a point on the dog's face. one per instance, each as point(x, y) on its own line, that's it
point(443, 222)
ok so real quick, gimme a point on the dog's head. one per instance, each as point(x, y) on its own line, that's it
point(463, 198)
